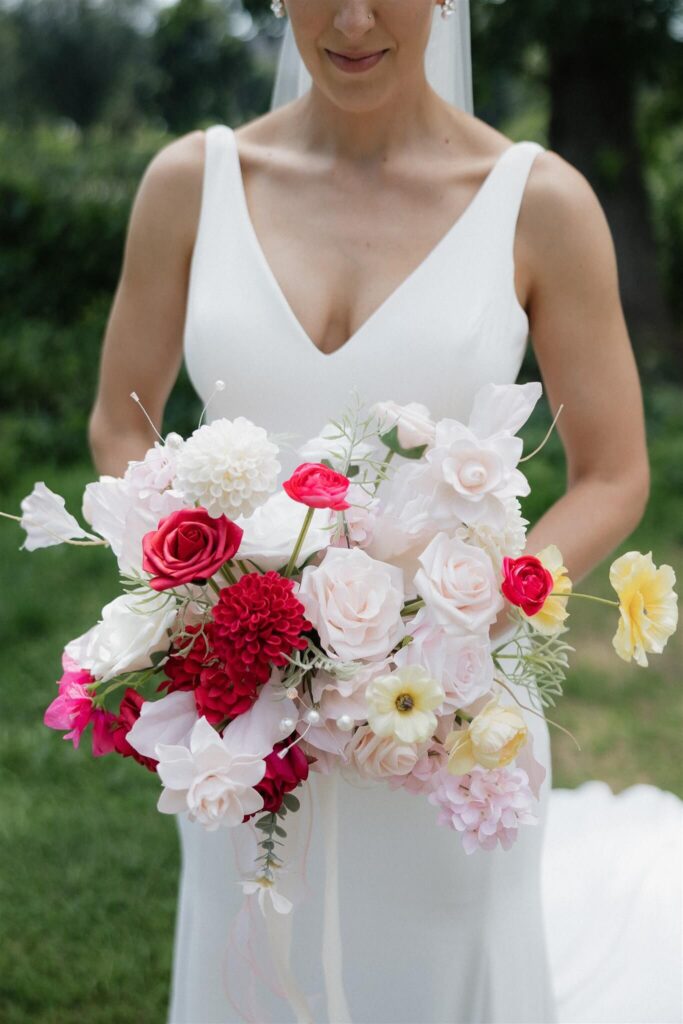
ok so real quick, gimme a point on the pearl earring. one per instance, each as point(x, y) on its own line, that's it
point(448, 7)
point(278, 8)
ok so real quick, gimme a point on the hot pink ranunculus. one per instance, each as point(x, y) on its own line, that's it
point(318, 486)
point(526, 582)
point(188, 546)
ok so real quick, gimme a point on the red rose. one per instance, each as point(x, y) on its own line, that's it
point(318, 486)
point(526, 583)
point(129, 712)
point(283, 774)
point(188, 546)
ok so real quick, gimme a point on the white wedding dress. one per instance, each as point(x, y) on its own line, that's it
point(578, 921)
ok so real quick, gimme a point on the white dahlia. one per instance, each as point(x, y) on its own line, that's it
point(228, 466)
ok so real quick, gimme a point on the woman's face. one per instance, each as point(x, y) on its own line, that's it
point(325, 30)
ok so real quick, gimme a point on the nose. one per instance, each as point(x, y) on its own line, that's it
point(354, 18)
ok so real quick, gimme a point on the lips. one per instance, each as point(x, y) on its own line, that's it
point(363, 62)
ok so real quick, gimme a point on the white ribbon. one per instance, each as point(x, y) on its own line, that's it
point(337, 1008)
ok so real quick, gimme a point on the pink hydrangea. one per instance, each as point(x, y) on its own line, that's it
point(72, 710)
point(486, 806)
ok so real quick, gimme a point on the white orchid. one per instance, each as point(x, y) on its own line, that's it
point(46, 521)
point(213, 779)
point(265, 888)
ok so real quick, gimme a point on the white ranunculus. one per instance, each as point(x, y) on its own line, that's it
point(335, 449)
point(131, 629)
point(228, 466)
point(415, 424)
point(46, 521)
point(170, 719)
point(415, 505)
point(355, 604)
point(213, 780)
point(463, 664)
point(271, 531)
point(380, 757)
point(458, 584)
point(507, 542)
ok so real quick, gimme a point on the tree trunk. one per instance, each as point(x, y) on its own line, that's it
point(592, 125)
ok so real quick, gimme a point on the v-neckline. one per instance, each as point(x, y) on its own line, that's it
point(393, 296)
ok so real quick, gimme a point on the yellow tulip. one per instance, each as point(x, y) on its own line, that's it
point(647, 605)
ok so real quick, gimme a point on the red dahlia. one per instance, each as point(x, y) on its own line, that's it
point(258, 622)
point(216, 696)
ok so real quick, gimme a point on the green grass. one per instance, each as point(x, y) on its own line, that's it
point(89, 869)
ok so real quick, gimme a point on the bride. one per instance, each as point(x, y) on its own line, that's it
point(370, 232)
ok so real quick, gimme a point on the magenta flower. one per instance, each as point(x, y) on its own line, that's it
point(486, 806)
point(72, 710)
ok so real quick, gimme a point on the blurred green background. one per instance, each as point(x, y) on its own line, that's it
point(89, 91)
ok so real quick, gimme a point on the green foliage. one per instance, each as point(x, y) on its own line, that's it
point(64, 204)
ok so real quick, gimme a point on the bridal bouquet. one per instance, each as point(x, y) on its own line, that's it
point(339, 622)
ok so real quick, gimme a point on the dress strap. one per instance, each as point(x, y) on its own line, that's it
point(220, 225)
point(507, 192)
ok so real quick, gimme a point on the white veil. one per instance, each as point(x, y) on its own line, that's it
point(448, 62)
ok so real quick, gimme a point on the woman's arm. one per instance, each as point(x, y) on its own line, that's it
point(142, 348)
point(587, 363)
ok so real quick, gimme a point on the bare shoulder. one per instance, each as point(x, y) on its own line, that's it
point(562, 223)
point(170, 192)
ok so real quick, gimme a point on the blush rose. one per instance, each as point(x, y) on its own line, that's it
point(188, 546)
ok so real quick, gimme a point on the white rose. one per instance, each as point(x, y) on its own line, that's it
point(213, 780)
point(354, 603)
point(271, 531)
point(131, 629)
point(458, 584)
point(461, 663)
point(414, 422)
point(380, 757)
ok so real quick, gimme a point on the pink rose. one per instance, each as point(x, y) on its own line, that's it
point(526, 582)
point(188, 546)
point(318, 486)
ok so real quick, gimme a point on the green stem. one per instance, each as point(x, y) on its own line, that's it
point(214, 586)
point(412, 606)
point(589, 597)
point(299, 542)
point(228, 573)
point(381, 474)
